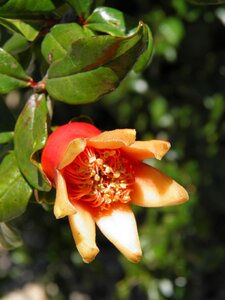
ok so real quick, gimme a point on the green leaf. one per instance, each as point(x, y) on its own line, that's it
point(145, 57)
point(12, 75)
point(9, 237)
point(28, 29)
point(16, 8)
point(6, 137)
point(81, 7)
point(14, 190)
point(107, 20)
point(16, 44)
point(207, 2)
point(88, 86)
point(30, 137)
point(58, 41)
point(95, 66)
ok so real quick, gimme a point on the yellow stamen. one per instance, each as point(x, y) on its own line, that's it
point(99, 177)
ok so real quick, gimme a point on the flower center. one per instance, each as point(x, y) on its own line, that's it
point(100, 177)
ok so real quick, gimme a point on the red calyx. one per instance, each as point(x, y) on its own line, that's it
point(58, 142)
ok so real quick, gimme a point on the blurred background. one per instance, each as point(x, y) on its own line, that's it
point(180, 97)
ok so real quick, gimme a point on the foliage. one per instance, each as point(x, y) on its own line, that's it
point(81, 67)
point(55, 62)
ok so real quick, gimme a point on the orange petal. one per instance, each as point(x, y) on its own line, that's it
point(62, 206)
point(74, 148)
point(83, 229)
point(153, 188)
point(113, 139)
point(119, 226)
point(141, 150)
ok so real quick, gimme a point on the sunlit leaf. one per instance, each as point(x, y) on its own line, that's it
point(145, 57)
point(30, 137)
point(81, 7)
point(6, 137)
point(16, 44)
point(17, 8)
point(28, 30)
point(14, 190)
point(95, 66)
point(9, 236)
point(12, 76)
point(58, 41)
point(107, 20)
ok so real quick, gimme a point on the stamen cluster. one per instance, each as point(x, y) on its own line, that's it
point(100, 177)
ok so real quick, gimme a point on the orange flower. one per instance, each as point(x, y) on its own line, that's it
point(97, 176)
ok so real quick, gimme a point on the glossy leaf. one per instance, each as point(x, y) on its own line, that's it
point(95, 66)
point(14, 190)
point(30, 137)
point(17, 8)
point(6, 137)
point(9, 237)
point(81, 7)
point(16, 44)
point(28, 30)
point(107, 20)
point(12, 76)
point(58, 41)
point(84, 87)
point(145, 57)
point(207, 2)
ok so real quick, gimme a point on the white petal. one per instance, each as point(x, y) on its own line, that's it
point(83, 229)
point(152, 188)
point(119, 226)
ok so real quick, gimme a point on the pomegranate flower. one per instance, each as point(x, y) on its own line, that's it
point(97, 175)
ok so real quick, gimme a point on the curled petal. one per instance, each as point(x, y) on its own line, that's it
point(83, 229)
point(58, 143)
point(152, 188)
point(62, 206)
point(74, 148)
point(141, 150)
point(113, 139)
point(119, 226)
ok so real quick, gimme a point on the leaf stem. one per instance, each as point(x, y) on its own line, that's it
point(39, 87)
